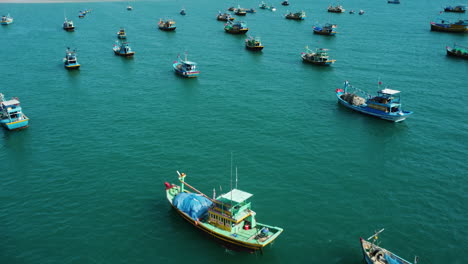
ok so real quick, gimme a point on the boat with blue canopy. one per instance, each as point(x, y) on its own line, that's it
point(238, 27)
point(386, 104)
point(326, 29)
point(443, 25)
point(393, 1)
point(70, 61)
point(11, 114)
point(229, 217)
point(300, 15)
point(123, 49)
point(185, 68)
point(374, 254)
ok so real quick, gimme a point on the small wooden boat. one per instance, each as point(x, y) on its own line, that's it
point(123, 49)
point(447, 26)
point(374, 254)
point(327, 29)
point(81, 14)
point(385, 105)
point(319, 57)
point(185, 68)
point(229, 217)
point(68, 25)
point(251, 10)
point(336, 9)
point(236, 27)
point(240, 11)
point(296, 16)
point(457, 51)
point(182, 12)
point(224, 17)
point(285, 3)
point(11, 114)
point(70, 61)
point(231, 8)
point(455, 9)
point(6, 20)
point(121, 34)
point(167, 25)
point(253, 44)
point(361, 12)
point(393, 1)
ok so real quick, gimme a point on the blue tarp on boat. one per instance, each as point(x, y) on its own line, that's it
point(391, 260)
point(195, 205)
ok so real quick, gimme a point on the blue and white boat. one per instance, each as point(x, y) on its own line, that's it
point(386, 104)
point(11, 115)
point(374, 254)
point(123, 49)
point(6, 20)
point(70, 61)
point(393, 1)
point(185, 68)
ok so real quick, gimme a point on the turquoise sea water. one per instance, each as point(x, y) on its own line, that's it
point(84, 183)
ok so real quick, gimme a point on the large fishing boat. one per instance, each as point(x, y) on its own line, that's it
point(121, 34)
point(6, 20)
point(11, 115)
point(228, 217)
point(123, 49)
point(186, 68)
point(457, 51)
point(374, 254)
point(447, 26)
point(68, 25)
point(319, 57)
point(455, 9)
point(327, 29)
point(236, 27)
point(386, 104)
point(167, 25)
point(70, 61)
point(296, 16)
point(336, 9)
point(253, 43)
point(224, 17)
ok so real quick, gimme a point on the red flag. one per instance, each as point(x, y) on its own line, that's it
point(380, 83)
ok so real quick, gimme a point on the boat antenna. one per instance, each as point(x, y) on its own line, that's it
point(231, 176)
point(376, 233)
point(236, 177)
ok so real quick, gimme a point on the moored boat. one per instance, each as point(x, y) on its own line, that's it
point(123, 49)
point(361, 12)
point(228, 217)
point(447, 26)
point(82, 14)
point(263, 5)
point(167, 25)
point(457, 51)
point(68, 25)
point(182, 12)
point(253, 43)
point(336, 9)
point(285, 3)
point(319, 57)
point(240, 11)
point(327, 29)
point(121, 34)
point(186, 68)
point(296, 16)
point(351, 12)
point(455, 9)
point(224, 17)
point(11, 114)
point(129, 8)
point(393, 1)
point(70, 61)
point(251, 10)
point(6, 20)
point(374, 254)
point(385, 105)
point(238, 27)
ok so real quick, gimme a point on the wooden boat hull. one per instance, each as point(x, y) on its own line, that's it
point(167, 29)
point(394, 117)
point(130, 54)
point(294, 18)
point(336, 11)
point(325, 33)
point(224, 19)
point(451, 29)
point(69, 29)
point(377, 256)
point(225, 239)
point(240, 13)
point(451, 52)
point(254, 48)
point(237, 32)
point(186, 74)
point(16, 124)
point(72, 66)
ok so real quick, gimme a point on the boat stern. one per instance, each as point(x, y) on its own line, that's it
point(17, 124)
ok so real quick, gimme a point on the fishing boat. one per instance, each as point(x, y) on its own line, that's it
point(240, 11)
point(229, 217)
point(231, 8)
point(185, 68)
point(182, 12)
point(68, 25)
point(167, 25)
point(447, 26)
point(336, 9)
point(386, 104)
point(6, 20)
point(455, 9)
point(236, 27)
point(251, 10)
point(361, 12)
point(374, 254)
point(319, 57)
point(70, 61)
point(11, 115)
point(81, 14)
point(351, 12)
point(457, 51)
point(327, 29)
point(285, 3)
point(393, 1)
point(296, 16)
point(253, 43)
point(263, 5)
point(123, 49)
point(129, 8)
point(224, 17)
point(121, 34)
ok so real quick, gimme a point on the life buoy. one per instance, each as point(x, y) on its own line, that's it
point(379, 255)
